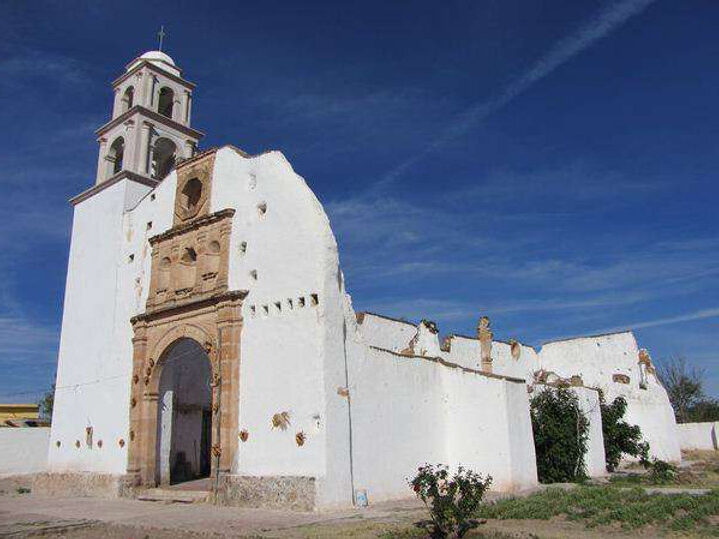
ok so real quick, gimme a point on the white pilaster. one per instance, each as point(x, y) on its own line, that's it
point(101, 160)
point(145, 136)
point(117, 104)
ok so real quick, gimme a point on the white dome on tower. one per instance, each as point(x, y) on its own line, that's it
point(159, 59)
point(158, 56)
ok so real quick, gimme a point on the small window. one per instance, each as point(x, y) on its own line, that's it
point(301, 302)
point(152, 196)
point(290, 303)
point(262, 209)
point(189, 256)
point(253, 310)
point(253, 275)
point(243, 247)
point(191, 194)
point(314, 299)
point(130, 258)
point(266, 309)
point(149, 225)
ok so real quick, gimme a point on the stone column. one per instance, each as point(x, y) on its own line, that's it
point(145, 136)
point(229, 327)
point(134, 449)
point(189, 148)
point(101, 160)
point(484, 333)
point(186, 107)
point(117, 104)
point(177, 112)
point(130, 146)
point(149, 90)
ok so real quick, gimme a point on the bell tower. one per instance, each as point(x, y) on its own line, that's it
point(149, 131)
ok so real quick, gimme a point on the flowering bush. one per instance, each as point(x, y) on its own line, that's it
point(451, 499)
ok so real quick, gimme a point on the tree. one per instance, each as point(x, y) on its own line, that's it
point(561, 433)
point(685, 387)
point(46, 404)
point(620, 438)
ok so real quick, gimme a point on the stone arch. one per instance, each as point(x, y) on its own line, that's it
point(193, 332)
point(215, 324)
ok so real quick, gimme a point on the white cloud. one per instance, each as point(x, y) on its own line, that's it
point(612, 16)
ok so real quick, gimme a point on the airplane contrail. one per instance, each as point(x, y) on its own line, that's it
point(599, 26)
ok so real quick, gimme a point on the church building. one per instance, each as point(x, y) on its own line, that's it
point(207, 336)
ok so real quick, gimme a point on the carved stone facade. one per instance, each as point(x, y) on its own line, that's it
point(188, 299)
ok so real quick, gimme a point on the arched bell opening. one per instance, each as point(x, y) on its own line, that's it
point(163, 158)
point(115, 157)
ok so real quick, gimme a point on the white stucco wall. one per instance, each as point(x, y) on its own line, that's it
point(703, 436)
point(407, 411)
point(597, 359)
point(384, 332)
point(466, 351)
point(23, 450)
point(94, 367)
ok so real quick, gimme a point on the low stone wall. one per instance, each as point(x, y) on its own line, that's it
point(296, 493)
point(698, 435)
point(23, 450)
point(81, 485)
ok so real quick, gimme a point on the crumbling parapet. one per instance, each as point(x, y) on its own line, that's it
point(485, 335)
point(425, 342)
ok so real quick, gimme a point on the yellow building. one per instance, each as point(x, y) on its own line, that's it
point(10, 412)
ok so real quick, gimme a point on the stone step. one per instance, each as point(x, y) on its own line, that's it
point(173, 496)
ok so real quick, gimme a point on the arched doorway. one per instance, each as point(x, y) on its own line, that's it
point(184, 413)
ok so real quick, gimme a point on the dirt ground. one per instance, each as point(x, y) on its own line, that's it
point(25, 515)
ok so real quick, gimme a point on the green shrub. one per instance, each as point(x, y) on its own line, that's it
point(451, 499)
point(620, 438)
point(661, 471)
point(561, 431)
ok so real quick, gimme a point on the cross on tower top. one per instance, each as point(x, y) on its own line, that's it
point(161, 36)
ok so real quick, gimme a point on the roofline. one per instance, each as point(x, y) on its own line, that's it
point(608, 334)
point(361, 314)
point(152, 67)
point(122, 175)
point(460, 336)
point(445, 363)
point(151, 114)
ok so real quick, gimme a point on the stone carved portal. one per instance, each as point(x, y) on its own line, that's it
point(189, 305)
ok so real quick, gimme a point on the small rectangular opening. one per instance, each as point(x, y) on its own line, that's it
point(253, 310)
point(266, 309)
point(130, 258)
point(152, 196)
point(149, 225)
point(314, 299)
point(301, 301)
point(290, 303)
point(278, 306)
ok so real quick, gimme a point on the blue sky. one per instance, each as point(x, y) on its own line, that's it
point(550, 164)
